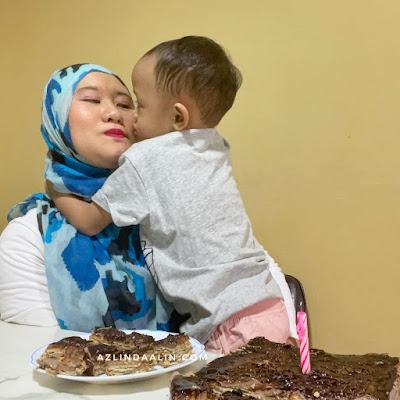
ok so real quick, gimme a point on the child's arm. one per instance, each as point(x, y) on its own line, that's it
point(87, 218)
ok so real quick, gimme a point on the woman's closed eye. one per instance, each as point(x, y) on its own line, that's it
point(94, 101)
point(126, 105)
point(122, 104)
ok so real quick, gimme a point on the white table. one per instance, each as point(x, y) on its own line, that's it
point(18, 379)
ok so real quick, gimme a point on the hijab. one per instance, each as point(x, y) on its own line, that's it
point(94, 281)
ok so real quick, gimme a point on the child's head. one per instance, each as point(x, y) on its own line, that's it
point(183, 84)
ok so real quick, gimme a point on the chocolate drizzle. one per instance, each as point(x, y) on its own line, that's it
point(274, 370)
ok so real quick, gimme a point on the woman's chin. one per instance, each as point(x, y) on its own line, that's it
point(121, 147)
point(106, 155)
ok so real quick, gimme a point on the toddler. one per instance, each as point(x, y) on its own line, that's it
point(176, 182)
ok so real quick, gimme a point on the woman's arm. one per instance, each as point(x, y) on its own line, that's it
point(24, 296)
point(87, 218)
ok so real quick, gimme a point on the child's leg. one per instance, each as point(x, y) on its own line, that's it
point(267, 318)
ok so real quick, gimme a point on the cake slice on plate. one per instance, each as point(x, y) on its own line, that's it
point(68, 356)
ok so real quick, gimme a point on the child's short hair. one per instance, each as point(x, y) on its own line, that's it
point(200, 67)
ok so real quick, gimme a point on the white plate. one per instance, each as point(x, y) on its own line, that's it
point(157, 335)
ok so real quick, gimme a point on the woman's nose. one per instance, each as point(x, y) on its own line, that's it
point(112, 114)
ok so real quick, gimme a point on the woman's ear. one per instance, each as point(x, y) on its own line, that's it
point(181, 117)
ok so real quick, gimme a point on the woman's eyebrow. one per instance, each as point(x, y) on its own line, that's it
point(87, 87)
point(118, 93)
point(123, 94)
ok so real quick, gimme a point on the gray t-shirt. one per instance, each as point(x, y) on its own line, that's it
point(195, 233)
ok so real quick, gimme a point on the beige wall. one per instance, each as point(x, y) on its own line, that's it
point(314, 131)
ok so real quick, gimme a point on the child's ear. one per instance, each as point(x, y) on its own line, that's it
point(181, 117)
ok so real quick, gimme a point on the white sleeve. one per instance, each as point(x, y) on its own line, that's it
point(24, 296)
point(124, 195)
point(279, 277)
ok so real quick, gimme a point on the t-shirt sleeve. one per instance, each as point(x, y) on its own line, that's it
point(124, 196)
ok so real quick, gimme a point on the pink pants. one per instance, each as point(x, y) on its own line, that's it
point(268, 318)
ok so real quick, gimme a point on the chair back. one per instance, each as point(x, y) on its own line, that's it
point(297, 292)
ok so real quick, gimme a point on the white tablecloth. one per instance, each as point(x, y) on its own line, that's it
point(19, 380)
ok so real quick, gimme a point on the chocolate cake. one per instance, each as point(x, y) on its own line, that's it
point(114, 337)
point(112, 352)
point(173, 349)
point(111, 360)
point(66, 357)
point(265, 370)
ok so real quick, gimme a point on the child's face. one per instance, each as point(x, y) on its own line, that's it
point(154, 113)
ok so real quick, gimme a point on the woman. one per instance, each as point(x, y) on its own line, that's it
point(52, 274)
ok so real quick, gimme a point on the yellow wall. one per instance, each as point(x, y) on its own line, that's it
point(314, 131)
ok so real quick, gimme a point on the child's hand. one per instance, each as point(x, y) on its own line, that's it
point(87, 218)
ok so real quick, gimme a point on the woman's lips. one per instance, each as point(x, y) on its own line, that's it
point(116, 133)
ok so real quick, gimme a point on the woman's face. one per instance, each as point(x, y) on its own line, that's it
point(101, 119)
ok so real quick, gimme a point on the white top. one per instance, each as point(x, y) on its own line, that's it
point(199, 243)
point(24, 297)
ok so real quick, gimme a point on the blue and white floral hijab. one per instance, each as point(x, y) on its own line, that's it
point(93, 281)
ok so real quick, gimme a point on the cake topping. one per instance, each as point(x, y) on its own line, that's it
point(267, 368)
